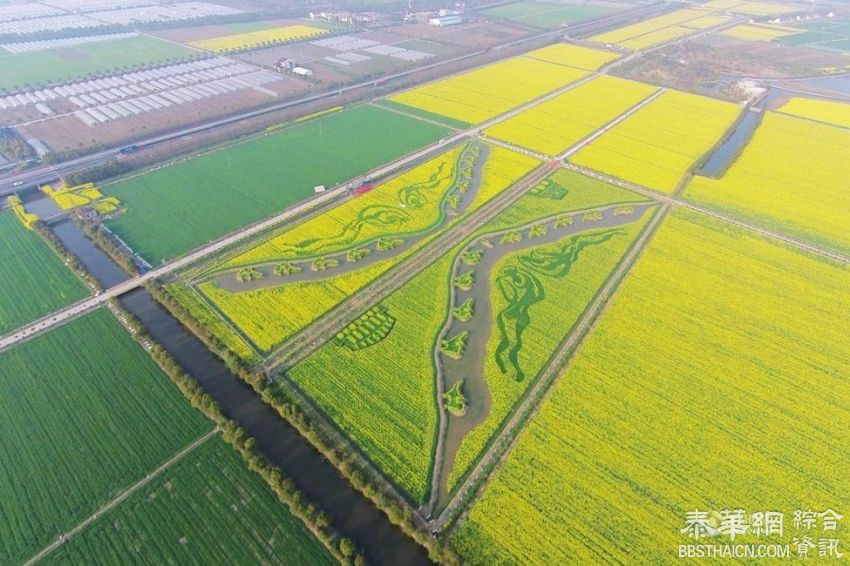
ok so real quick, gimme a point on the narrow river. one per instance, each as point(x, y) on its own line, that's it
point(352, 514)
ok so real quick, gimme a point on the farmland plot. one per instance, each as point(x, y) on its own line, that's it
point(33, 280)
point(557, 124)
point(791, 177)
point(662, 28)
point(656, 146)
point(827, 111)
point(104, 416)
point(364, 237)
point(573, 55)
point(397, 428)
point(697, 390)
point(546, 14)
point(257, 38)
point(65, 64)
point(206, 507)
point(482, 94)
point(177, 208)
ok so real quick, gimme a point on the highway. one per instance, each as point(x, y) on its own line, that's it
point(28, 179)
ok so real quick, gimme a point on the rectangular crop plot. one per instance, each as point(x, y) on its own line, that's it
point(33, 280)
point(64, 64)
point(103, 415)
point(758, 32)
point(791, 177)
point(713, 381)
point(257, 38)
point(659, 29)
point(656, 146)
point(827, 111)
point(175, 209)
point(558, 123)
point(484, 93)
point(573, 56)
point(206, 506)
point(547, 14)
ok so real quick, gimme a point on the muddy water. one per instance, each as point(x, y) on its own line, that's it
point(352, 514)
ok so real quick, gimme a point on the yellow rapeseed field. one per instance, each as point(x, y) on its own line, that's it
point(573, 56)
point(828, 111)
point(750, 8)
point(791, 177)
point(255, 38)
point(484, 93)
point(659, 29)
point(711, 382)
point(758, 32)
point(658, 144)
point(557, 124)
point(269, 315)
point(336, 229)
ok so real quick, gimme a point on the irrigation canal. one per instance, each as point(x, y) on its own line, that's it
point(352, 514)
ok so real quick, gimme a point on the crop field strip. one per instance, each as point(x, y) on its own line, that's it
point(252, 39)
point(613, 404)
point(819, 110)
point(105, 415)
point(34, 281)
point(183, 206)
point(545, 14)
point(770, 184)
point(63, 64)
point(686, 126)
point(759, 32)
point(398, 436)
point(482, 94)
point(555, 125)
point(660, 29)
point(243, 521)
point(405, 208)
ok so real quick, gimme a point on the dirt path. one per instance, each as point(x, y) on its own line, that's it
point(65, 537)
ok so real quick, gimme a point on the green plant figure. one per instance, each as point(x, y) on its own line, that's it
point(357, 254)
point(563, 221)
point(465, 311)
point(285, 269)
point(386, 244)
point(465, 281)
point(249, 274)
point(454, 347)
point(538, 231)
point(453, 201)
point(512, 237)
point(593, 216)
point(455, 402)
point(324, 263)
point(624, 210)
point(472, 257)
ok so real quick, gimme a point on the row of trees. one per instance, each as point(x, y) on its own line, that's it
point(316, 520)
point(351, 464)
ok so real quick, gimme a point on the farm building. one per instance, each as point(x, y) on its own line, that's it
point(443, 21)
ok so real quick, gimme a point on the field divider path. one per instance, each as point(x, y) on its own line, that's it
point(673, 200)
point(306, 342)
point(478, 478)
point(65, 537)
